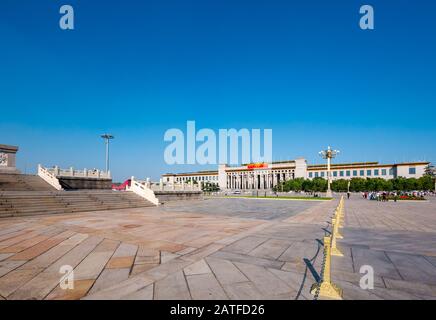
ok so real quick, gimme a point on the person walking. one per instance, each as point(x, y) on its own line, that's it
point(348, 195)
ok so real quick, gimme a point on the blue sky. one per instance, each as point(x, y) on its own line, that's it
point(137, 68)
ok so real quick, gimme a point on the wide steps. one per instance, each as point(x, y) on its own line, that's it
point(25, 203)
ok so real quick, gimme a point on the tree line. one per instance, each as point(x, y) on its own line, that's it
point(425, 183)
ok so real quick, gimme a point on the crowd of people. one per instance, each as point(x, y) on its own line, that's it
point(394, 195)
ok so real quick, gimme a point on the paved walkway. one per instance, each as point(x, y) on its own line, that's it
point(190, 252)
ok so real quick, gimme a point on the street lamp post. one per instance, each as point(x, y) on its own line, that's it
point(107, 137)
point(328, 154)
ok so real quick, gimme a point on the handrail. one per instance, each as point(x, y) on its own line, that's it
point(48, 177)
point(143, 191)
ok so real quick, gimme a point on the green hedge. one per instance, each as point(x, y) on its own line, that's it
point(358, 184)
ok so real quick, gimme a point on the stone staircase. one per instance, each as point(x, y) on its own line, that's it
point(26, 203)
point(23, 182)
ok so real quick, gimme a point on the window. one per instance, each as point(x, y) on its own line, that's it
point(310, 174)
point(316, 174)
point(322, 174)
point(335, 173)
point(354, 173)
point(391, 171)
point(383, 172)
point(368, 172)
point(412, 170)
point(362, 173)
point(348, 173)
point(376, 171)
point(341, 173)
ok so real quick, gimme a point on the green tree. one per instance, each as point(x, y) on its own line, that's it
point(340, 185)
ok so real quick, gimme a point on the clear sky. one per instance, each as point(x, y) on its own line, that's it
point(137, 68)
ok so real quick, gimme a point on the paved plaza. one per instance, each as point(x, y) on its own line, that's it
point(220, 249)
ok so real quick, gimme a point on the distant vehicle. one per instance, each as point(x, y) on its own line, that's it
point(237, 192)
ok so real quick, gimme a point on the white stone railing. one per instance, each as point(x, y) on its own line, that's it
point(143, 190)
point(49, 177)
point(85, 173)
point(161, 186)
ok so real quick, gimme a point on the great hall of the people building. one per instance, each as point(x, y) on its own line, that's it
point(266, 175)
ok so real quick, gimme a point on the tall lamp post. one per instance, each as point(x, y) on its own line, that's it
point(328, 154)
point(107, 137)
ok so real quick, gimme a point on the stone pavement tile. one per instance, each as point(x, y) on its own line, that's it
point(139, 268)
point(142, 294)
point(299, 283)
point(267, 283)
point(226, 272)
point(162, 245)
point(414, 268)
point(245, 245)
point(121, 290)
point(234, 257)
point(24, 244)
point(186, 251)
point(354, 278)
point(147, 256)
point(344, 263)
point(299, 251)
point(110, 277)
point(242, 291)
point(167, 256)
point(4, 256)
point(15, 279)
point(380, 262)
point(271, 249)
point(123, 257)
point(199, 267)
point(41, 285)
point(202, 252)
point(353, 292)
point(120, 262)
point(390, 294)
point(412, 287)
point(7, 266)
point(17, 239)
point(173, 287)
point(432, 260)
point(163, 270)
point(94, 263)
point(50, 256)
point(205, 287)
point(41, 247)
point(81, 287)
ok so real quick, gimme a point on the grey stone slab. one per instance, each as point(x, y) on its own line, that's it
point(225, 271)
point(142, 294)
point(266, 282)
point(243, 291)
point(378, 260)
point(245, 245)
point(412, 287)
point(199, 267)
point(173, 287)
point(205, 287)
point(124, 289)
point(271, 249)
point(234, 257)
point(299, 251)
point(414, 268)
point(108, 278)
